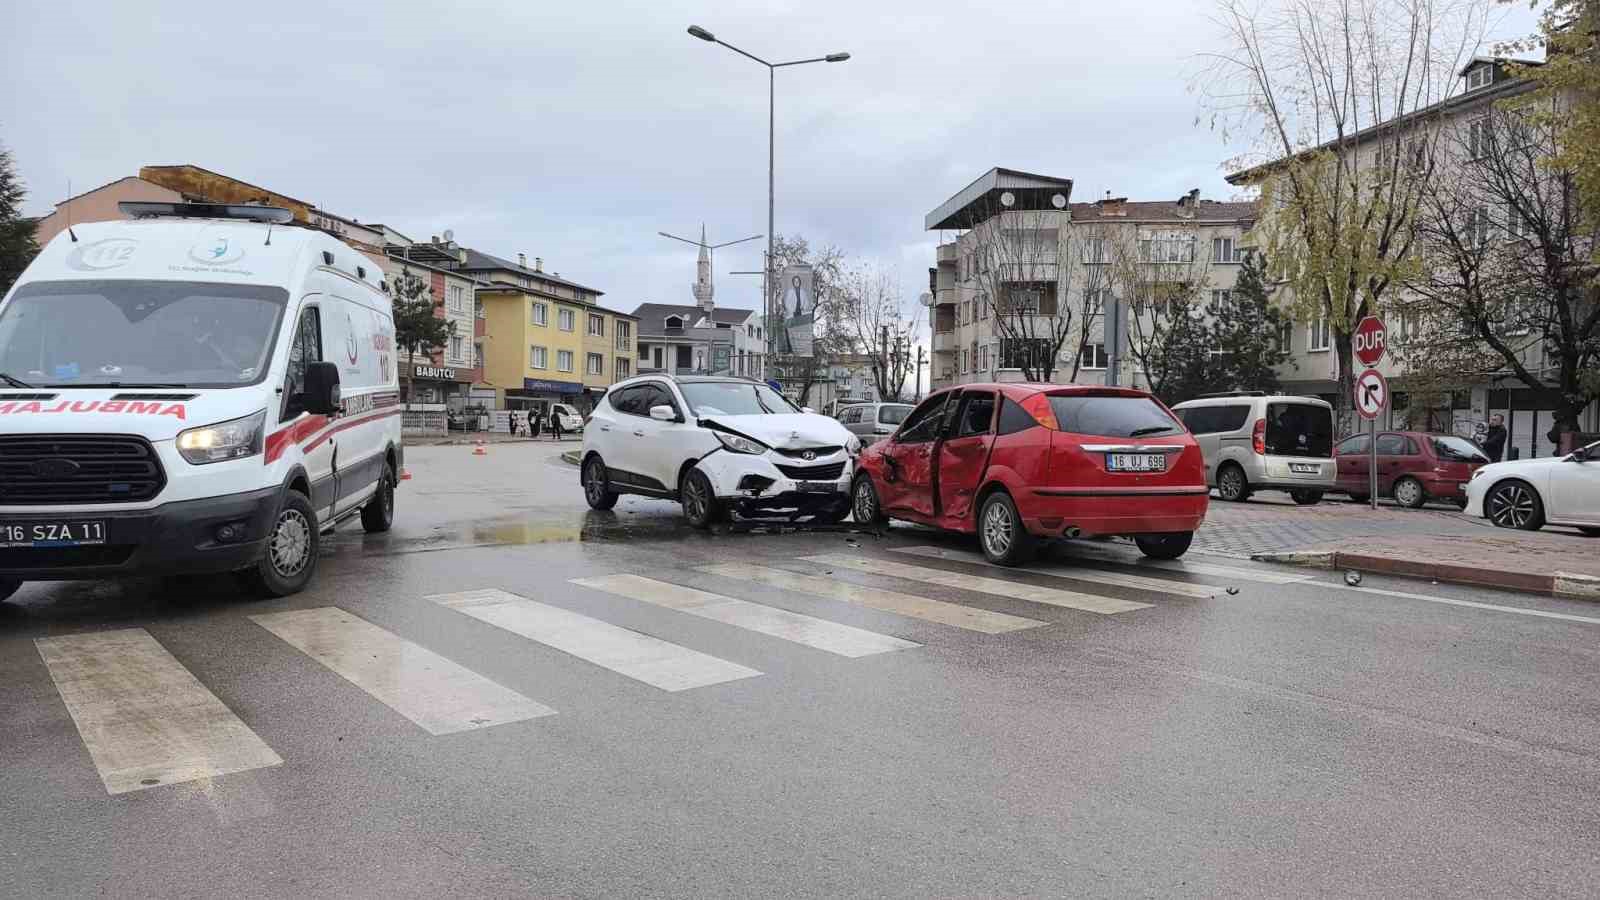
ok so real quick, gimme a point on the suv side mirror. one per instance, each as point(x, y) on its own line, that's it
point(321, 395)
point(1579, 455)
point(663, 413)
point(807, 409)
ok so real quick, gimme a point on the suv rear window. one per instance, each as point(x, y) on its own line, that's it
point(1299, 429)
point(1112, 416)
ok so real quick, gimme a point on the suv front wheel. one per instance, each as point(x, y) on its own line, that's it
point(700, 504)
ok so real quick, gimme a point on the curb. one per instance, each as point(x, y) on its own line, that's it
point(1566, 585)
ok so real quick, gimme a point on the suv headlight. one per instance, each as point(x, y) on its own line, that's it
point(853, 446)
point(740, 444)
point(1475, 474)
point(234, 439)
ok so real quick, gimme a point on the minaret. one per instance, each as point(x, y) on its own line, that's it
point(702, 277)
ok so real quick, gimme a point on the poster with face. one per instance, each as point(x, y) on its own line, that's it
point(797, 310)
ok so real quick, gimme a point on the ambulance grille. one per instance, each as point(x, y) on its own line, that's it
point(45, 470)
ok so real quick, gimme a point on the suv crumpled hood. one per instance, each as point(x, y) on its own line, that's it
point(93, 411)
point(788, 430)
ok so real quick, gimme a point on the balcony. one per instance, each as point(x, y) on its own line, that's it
point(947, 253)
point(944, 341)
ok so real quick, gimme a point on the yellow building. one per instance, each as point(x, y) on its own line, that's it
point(546, 340)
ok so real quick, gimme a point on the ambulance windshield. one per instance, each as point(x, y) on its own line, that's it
point(66, 334)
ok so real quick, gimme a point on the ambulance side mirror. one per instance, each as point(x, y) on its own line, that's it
point(321, 396)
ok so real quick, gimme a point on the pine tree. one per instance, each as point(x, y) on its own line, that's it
point(17, 246)
point(1243, 334)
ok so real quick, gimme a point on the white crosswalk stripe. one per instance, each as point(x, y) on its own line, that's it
point(1013, 589)
point(1076, 572)
point(1098, 554)
point(938, 611)
point(144, 718)
point(638, 656)
point(435, 693)
point(821, 634)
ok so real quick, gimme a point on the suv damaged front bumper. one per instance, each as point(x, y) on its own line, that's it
point(756, 486)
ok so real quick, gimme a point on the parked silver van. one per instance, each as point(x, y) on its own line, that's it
point(1254, 442)
point(873, 422)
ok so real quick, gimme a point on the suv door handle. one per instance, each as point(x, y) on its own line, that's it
point(605, 427)
point(638, 434)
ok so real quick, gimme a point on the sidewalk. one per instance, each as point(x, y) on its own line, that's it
point(488, 437)
point(1437, 544)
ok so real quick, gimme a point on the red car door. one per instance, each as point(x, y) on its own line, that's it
point(964, 455)
point(1351, 458)
point(908, 461)
point(1391, 461)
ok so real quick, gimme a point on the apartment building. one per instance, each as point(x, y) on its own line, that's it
point(1018, 244)
point(1449, 132)
point(700, 339)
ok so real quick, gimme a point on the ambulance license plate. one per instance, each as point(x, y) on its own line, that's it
point(64, 533)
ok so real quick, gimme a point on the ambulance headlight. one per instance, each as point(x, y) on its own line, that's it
point(234, 439)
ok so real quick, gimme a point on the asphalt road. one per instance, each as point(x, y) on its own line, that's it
point(446, 713)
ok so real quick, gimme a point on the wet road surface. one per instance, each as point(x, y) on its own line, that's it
point(510, 694)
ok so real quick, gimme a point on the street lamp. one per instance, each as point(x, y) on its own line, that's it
point(772, 69)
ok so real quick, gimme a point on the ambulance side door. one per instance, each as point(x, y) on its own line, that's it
point(308, 431)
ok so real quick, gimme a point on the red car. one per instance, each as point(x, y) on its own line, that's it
point(1413, 466)
point(1015, 463)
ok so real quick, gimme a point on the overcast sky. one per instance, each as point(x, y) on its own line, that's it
point(575, 131)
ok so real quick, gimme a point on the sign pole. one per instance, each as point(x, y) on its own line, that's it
point(1372, 461)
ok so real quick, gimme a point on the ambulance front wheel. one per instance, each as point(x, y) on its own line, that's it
point(291, 551)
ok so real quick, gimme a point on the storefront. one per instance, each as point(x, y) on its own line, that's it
point(539, 393)
point(440, 385)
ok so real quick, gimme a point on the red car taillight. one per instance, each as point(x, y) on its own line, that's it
point(1258, 437)
point(1038, 406)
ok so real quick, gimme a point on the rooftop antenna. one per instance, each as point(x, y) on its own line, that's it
point(70, 232)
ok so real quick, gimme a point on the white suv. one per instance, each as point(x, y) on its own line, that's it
point(715, 445)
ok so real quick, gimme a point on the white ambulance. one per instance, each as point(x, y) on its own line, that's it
point(203, 388)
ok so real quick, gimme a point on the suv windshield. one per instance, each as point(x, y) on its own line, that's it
point(1457, 449)
point(734, 398)
point(173, 333)
point(1299, 429)
point(1112, 416)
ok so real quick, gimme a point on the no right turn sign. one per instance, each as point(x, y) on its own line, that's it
point(1372, 393)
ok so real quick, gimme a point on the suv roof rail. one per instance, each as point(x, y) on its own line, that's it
point(146, 209)
point(1232, 394)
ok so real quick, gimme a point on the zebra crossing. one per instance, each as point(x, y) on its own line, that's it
point(147, 721)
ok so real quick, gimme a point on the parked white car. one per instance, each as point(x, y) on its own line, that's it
point(715, 445)
point(571, 422)
point(1531, 493)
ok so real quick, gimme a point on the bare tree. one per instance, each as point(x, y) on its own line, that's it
point(1023, 272)
point(800, 374)
point(1161, 274)
point(1506, 284)
point(871, 314)
point(1332, 95)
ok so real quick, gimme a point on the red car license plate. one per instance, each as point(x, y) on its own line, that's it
point(1136, 462)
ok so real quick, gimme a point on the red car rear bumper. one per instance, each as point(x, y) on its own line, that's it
point(1051, 511)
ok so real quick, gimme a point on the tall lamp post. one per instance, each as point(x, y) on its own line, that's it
point(710, 251)
point(772, 69)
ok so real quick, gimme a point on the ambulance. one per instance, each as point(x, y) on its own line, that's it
point(200, 388)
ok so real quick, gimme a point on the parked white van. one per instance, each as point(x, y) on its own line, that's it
point(199, 389)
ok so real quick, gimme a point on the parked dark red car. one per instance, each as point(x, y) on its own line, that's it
point(1014, 463)
point(1413, 466)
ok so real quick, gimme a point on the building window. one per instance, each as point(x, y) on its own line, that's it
point(964, 361)
point(1094, 356)
point(1478, 138)
point(538, 357)
point(1319, 335)
point(674, 322)
point(1016, 353)
point(624, 368)
point(1094, 250)
point(596, 364)
point(566, 319)
point(1480, 77)
point(1477, 227)
point(624, 334)
point(1221, 298)
point(457, 344)
point(564, 360)
point(1179, 249)
point(1226, 250)
point(477, 356)
point(597, 325)
point(1518, 226)
point(458, 298)
point(541, 314)
point(1286, 336)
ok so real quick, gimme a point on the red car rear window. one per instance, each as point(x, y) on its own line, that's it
point(1112, 416)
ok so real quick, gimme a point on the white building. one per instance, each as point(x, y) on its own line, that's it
point(700, 339)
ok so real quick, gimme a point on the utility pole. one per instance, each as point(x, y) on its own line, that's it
point(916, 389)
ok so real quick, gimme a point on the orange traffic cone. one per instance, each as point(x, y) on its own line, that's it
point(480, 449)
point(405, 474)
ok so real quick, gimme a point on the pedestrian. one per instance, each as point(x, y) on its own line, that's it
point(555, 425)
point(1494, 440)
point(534, 422)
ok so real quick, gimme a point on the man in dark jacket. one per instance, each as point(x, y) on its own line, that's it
point(1494, 440)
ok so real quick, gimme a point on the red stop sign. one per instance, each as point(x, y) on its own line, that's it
point(1369, 340)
